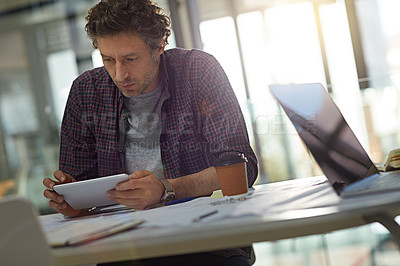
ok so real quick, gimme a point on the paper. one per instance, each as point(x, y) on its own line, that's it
point(279, 197)
point(393, 160)
point(64, 231)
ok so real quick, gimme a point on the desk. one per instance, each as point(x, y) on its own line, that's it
point(278, 211)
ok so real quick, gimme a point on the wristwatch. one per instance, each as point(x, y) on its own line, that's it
point(169, 193)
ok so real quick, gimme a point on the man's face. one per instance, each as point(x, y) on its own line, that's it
point(131, 64)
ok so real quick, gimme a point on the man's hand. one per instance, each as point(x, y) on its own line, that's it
point(57, 201)
point(142, 190)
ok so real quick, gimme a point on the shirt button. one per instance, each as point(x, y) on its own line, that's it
point(120, 149)
point(123, 117)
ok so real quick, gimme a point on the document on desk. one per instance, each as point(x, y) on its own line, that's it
point(76, 231)
point(274, 198)
point(59, 229)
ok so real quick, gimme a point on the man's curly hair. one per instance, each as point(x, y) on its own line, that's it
point(142, 18)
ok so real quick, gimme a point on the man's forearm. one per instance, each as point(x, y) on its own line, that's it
point(199, 184)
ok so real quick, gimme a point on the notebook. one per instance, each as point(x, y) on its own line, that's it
point(331, 141)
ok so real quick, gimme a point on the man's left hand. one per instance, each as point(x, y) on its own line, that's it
point(142, 190)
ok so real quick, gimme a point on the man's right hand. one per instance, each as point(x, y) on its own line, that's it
point(57, 201)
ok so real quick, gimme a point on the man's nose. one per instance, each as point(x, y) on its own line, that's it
point(121, 72)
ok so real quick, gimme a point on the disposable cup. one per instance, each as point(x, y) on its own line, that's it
point(232, 175)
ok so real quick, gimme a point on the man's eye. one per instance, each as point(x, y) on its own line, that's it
point(132, 58)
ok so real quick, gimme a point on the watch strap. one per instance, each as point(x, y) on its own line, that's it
point(169, 193)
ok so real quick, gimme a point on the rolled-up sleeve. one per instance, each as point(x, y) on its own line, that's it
point(223, 124)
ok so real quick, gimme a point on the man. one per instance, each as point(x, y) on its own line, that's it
point(164, 117)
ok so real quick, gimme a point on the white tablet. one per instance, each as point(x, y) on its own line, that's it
point(89, 193)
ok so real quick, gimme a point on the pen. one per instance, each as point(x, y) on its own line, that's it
point(104, 210)
point(198, 219)
point(81, 239)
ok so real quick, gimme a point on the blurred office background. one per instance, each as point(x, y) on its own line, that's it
point(352, 47)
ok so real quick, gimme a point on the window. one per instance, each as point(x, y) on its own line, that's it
point(302, 42)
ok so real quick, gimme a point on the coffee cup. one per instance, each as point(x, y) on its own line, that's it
point(232, 175)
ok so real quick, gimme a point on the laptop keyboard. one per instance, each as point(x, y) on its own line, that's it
point(387, 180)
point(383, 181)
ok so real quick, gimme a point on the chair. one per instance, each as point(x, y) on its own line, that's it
point(22, 240)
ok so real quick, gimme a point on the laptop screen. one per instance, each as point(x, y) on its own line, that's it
point(325, 132)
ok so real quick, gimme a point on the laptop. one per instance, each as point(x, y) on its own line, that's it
point(333, 144)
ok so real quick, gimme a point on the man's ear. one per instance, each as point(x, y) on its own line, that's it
point(161, 48)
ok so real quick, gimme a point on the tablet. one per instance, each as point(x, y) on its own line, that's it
point(89, 193)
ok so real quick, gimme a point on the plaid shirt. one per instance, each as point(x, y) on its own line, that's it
point(201, 120)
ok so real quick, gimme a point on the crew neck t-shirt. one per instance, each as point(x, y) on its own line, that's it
point(142, 135)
